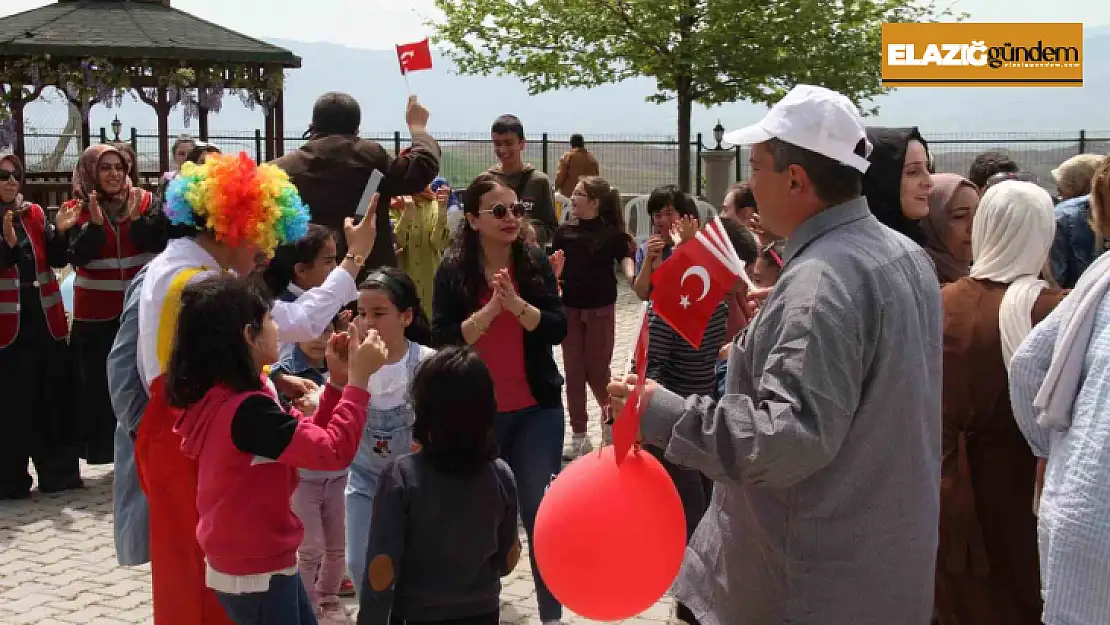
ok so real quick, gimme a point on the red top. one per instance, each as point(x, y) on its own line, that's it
point(502, 349)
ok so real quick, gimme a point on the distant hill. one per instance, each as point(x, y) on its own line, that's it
point(463, 106)
point(468, 104)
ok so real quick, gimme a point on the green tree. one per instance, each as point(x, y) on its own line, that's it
point(698, 51)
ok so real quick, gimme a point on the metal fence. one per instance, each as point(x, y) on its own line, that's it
point(634, 164)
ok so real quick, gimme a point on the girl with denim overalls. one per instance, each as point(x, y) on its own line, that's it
point(387, 302)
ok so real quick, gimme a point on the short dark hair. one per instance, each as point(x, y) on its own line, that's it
point(209, 349)
point(336, 113)
point(200, 148)
point(744, 196)
point(742, 239)
point(833, 181)
point(401, 291)
point(455, 407)
point(577, 141)
point(988, 164)
point(279, 273)
point(669, 195)
point(508, 124)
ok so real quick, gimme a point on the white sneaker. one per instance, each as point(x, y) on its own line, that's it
point(579, 446)
point(332, 613)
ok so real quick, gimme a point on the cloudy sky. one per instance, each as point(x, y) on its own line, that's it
point(349, 22)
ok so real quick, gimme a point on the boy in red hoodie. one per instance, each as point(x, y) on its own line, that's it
point(248, 449)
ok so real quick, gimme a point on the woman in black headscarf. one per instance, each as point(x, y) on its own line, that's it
point(898, 183)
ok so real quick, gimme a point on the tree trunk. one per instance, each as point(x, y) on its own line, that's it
point(54, 160)
point(685, 108)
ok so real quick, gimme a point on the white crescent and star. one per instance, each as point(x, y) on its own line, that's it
point(699, 272)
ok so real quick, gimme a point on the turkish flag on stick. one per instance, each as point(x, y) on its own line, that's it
point(688, 287)
point(627, 424)
point(414, 57)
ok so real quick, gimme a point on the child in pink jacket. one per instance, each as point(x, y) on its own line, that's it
point(248, 450)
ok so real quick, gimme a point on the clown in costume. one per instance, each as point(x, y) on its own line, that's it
point(238, 209)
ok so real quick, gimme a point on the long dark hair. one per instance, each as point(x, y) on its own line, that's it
point(209, 348)
point(282, 268)
point(608, 210)
point(455, 407)
point(465, 253)
point(401, 290)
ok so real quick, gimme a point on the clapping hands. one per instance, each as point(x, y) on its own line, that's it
point(684, 230)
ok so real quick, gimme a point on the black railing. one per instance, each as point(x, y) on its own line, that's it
point(634, 164)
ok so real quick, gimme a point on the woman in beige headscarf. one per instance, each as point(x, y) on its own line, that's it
point(947, 228)
point(987, 564)
point(113, 231)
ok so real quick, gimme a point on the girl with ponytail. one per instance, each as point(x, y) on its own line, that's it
point(591, 242)
point(389, 303)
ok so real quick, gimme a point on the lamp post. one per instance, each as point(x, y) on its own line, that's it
point(117, 126)
point(717, 168)
point(718, 135)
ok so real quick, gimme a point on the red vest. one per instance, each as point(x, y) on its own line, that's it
point(99, 285)
point(50, 296)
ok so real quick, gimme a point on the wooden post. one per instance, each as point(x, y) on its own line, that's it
point(163, 111)
point(268, 123)
point(202, 122)
point(17, 104)
point(161, 105)
point(279, 125)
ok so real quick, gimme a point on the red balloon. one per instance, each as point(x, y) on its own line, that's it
point(609, 540)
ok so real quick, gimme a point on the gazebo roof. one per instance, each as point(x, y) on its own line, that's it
point(130, 29)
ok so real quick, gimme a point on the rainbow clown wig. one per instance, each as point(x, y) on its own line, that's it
point(238, 202)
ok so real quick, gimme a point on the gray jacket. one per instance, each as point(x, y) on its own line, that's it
point(129, 399)
point(825, 448)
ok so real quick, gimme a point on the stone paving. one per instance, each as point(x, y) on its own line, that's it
point(58, 565)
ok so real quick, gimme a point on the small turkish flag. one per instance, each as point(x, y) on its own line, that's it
point(628, 421)
point(414, 57)
point(688, 287)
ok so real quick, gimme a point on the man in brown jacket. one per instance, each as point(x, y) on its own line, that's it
point(331, 170)
point(575, 164)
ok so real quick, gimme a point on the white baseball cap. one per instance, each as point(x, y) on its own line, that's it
point(815, 118)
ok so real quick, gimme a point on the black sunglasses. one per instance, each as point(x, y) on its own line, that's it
point(6, 175)
point(499, 211)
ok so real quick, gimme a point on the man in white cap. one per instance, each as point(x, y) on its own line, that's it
point(825, 449)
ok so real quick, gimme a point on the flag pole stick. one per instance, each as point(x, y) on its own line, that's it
point(408, 87)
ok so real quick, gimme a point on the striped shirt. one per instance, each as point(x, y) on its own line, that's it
point(676, 365)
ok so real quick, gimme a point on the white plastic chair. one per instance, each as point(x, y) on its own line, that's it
point(562, 207)
point(636, 211)
point(454, 218)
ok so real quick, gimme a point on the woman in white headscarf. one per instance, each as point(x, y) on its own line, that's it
point(987, 560)
point(1060, 391)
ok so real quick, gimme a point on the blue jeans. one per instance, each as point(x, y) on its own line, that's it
point(531, 442)
point(388, 435)
point(285, 603)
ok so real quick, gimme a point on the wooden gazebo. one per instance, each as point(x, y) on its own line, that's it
point(95, 51)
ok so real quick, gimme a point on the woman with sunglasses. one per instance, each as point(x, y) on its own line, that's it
point(112, 232)
point(34, 360)
point(499, 294)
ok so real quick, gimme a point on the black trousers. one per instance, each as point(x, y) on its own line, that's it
point(37, 409)
point(90, 342)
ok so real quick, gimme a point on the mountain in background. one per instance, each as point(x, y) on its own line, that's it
point(467, 104)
